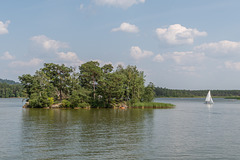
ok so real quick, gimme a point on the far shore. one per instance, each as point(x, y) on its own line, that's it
point(225, 97)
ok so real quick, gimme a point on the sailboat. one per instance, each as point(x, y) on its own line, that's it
point(209, 99)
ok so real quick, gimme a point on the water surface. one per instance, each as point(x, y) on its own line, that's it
point(192, 130)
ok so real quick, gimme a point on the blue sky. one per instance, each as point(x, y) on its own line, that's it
point(178, 44)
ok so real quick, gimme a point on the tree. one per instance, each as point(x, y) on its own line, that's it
point(90, 73)
point(80, 98)
point(59, 76)
point(95, 85)
point(107, 68)
point(134, 83)
point(111, 89)
point(27, 81)
point(39, 100)
point(149, 93)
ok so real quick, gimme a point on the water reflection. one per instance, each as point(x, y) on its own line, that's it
point(190, 131)
point(83, 133)
point(209, 106)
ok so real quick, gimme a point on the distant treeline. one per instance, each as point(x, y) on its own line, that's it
point(9, 88)
point(164, 92)
point(8, 81)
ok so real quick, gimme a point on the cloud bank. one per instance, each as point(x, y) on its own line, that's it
point(69, 57)
point(223, 47)
point(7, 56)
point(177, 34)
point(187, 57)
point(31, 63)
point(137, 53)
point(48, 44)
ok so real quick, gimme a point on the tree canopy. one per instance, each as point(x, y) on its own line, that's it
point(91, 86)
point(10, 90)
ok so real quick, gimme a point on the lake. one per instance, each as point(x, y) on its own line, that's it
point(193, 130)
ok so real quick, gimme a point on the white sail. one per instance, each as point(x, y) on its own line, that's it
point(209, 99)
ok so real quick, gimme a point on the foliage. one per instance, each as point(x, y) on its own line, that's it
point(51, 100)
point(93, 86)
point(90, 73)
point(66, 103)
point(39, 100)
point(28, 83)
point(59, 76)
point(8, 81)
point(152, 105)
point(164, 92)
point(11, 90)
point(149, 93)
point(133, 83)
point(79, 97)
point(233, 97)
point(111, 89)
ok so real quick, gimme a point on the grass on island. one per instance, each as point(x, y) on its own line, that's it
point(233, 97)
point(152, 105)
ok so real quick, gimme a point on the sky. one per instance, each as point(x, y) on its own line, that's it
point(178, 44)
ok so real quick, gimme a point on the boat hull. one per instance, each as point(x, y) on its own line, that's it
point(208, 102)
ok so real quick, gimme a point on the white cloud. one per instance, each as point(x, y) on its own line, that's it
point(3, 27)
point(158, 58)
point(232, 65)
point(185, 57)
point(119, 3)
point(224, 47)
point(69, 57)
point(48, 44)
point(33, 62)
point(126, 27)
point(137, 53)
point(178, 34)
point(7, 56)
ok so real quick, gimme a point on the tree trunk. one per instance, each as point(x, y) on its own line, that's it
point(94, 95)
point(60, 94)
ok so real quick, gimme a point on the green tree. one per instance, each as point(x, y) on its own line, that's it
point(90, 73)
point(149, 93)
point(107, 68)
point(79, 98)
point(111, 89)
point(95, 85)
point(39, 100)
point(59, 76)
point(134, 83)
point(27, 81)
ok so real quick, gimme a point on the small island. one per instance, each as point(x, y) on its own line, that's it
point(91, 86)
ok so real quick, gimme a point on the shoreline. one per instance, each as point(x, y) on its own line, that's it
point(149, 105)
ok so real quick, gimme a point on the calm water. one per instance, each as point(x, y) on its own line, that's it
point(192, 130)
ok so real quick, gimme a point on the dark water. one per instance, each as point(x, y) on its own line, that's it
point(192, 130)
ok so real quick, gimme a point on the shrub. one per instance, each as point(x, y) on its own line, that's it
point(66, 103)
point(39, 100)
point(83, 105)
point(51, 100)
